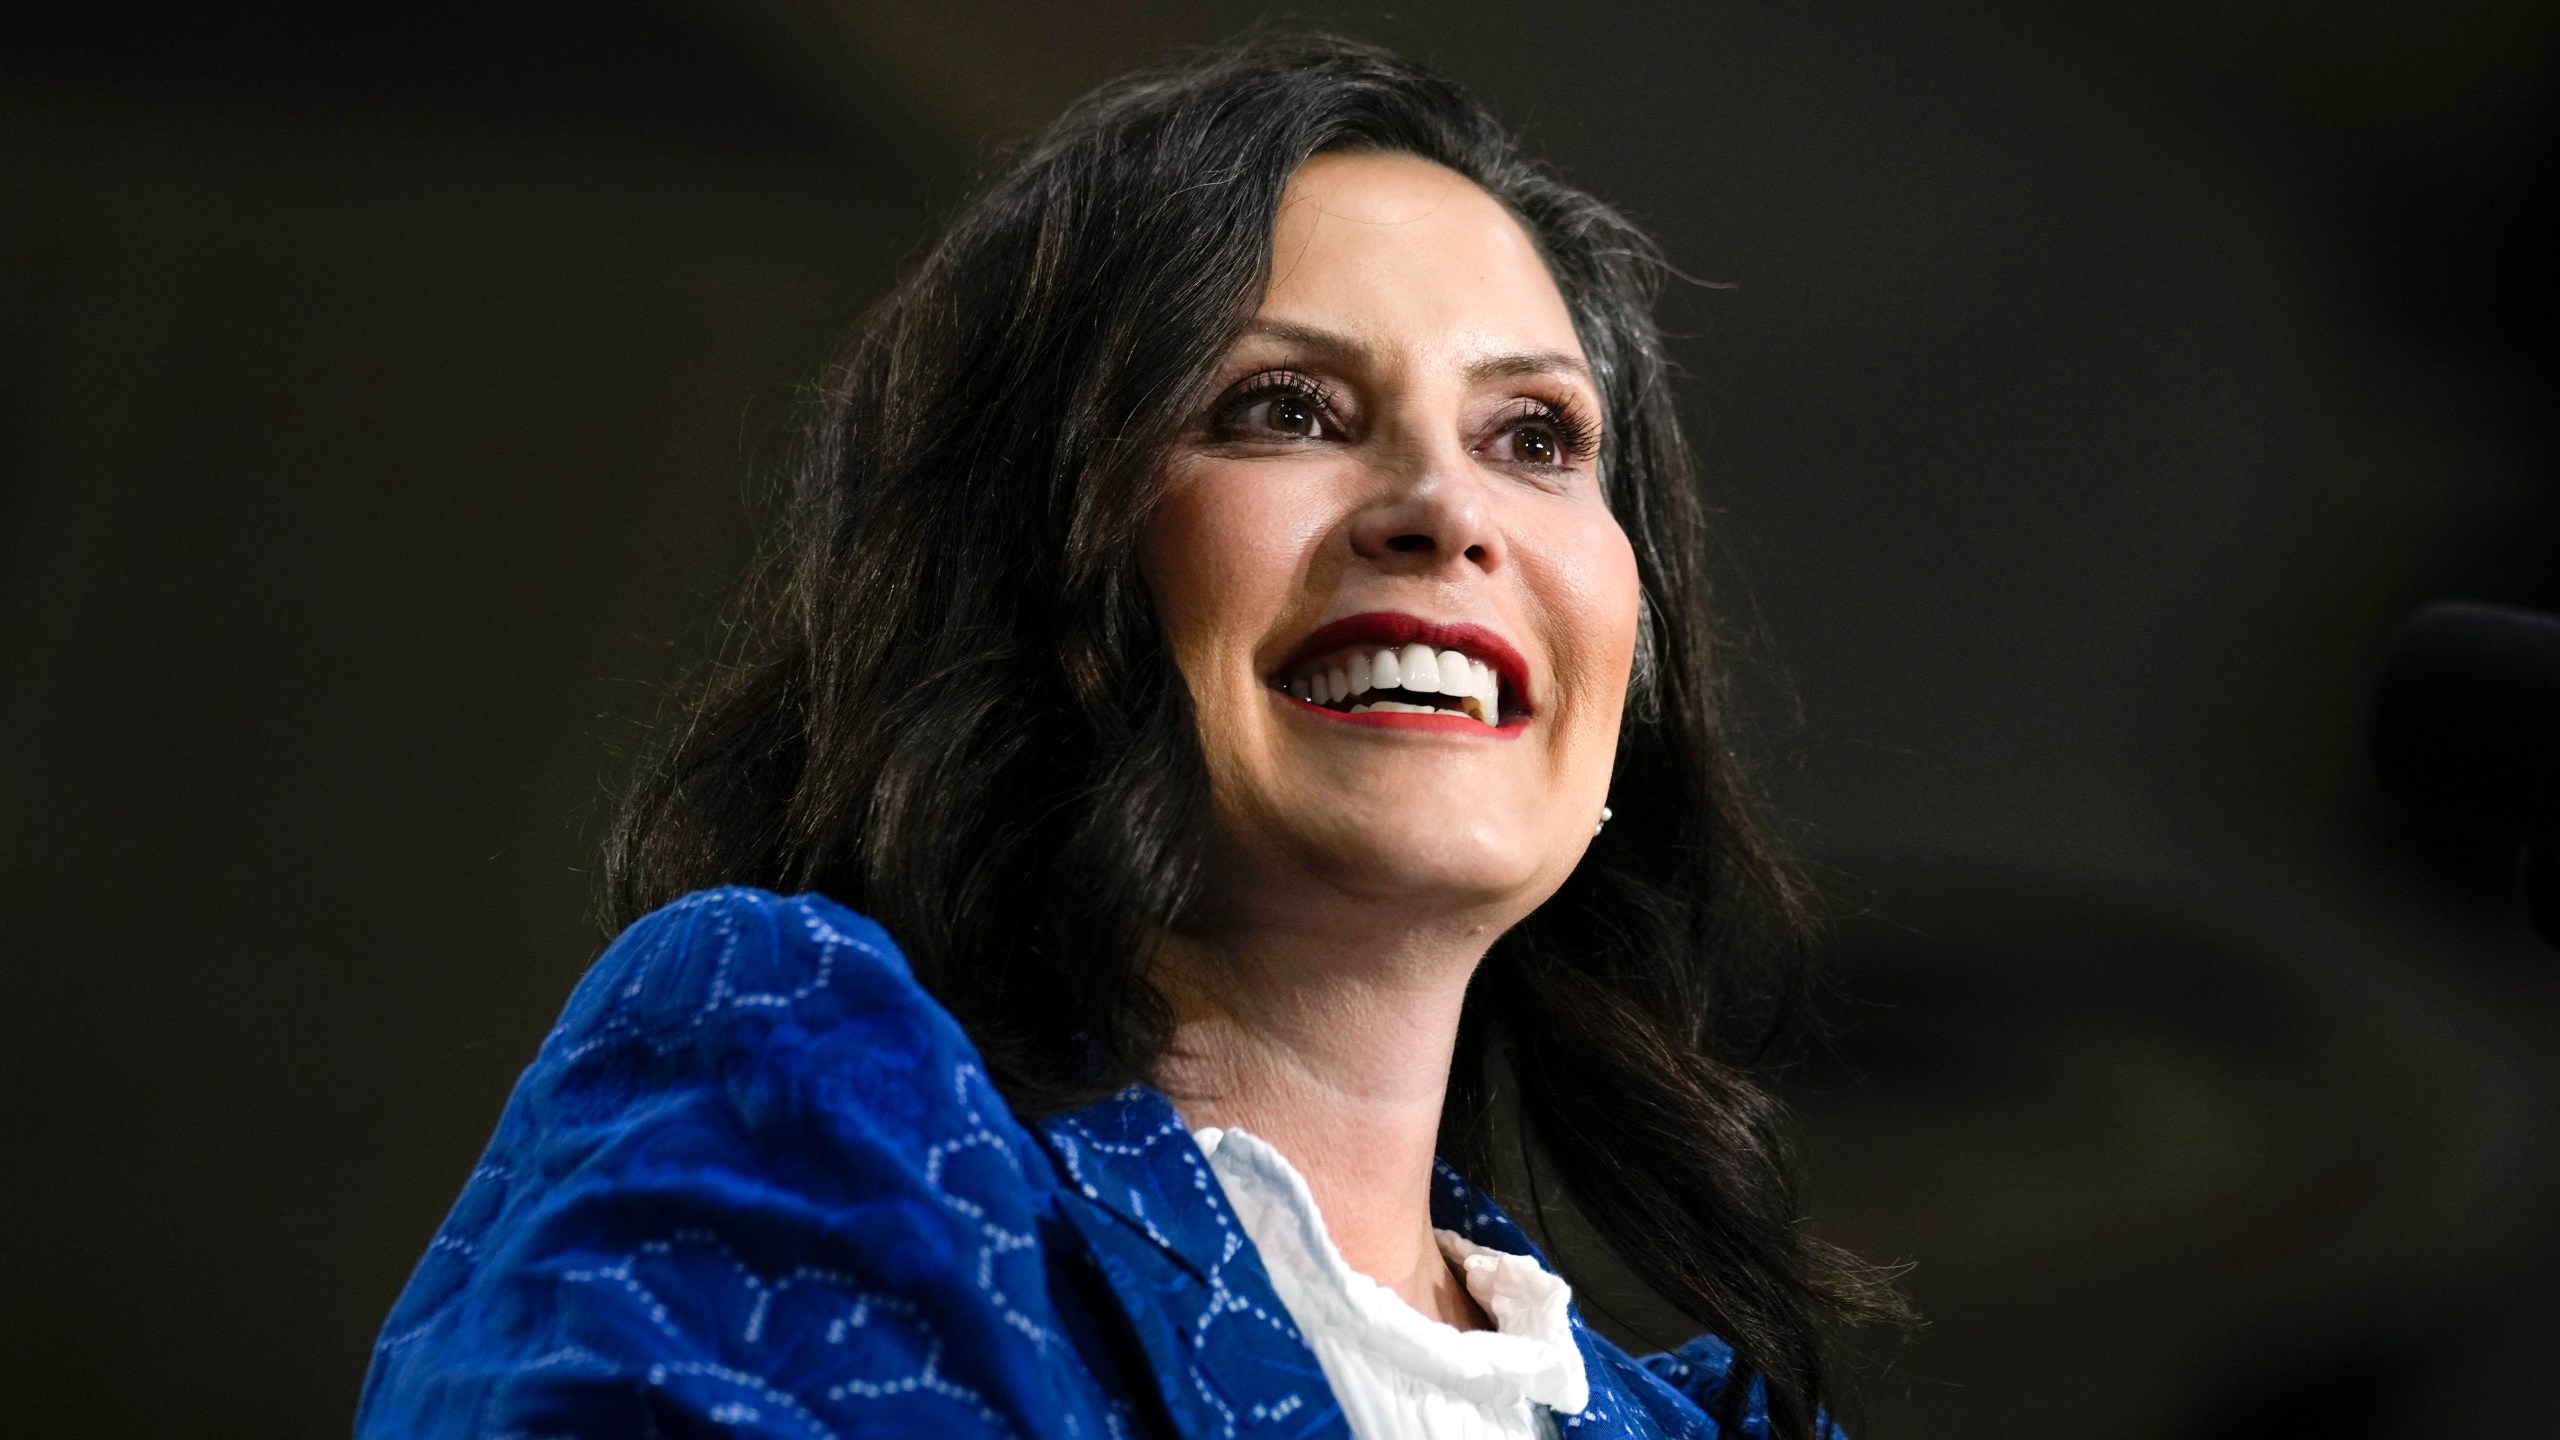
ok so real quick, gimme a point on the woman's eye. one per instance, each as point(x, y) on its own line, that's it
point(1288, 413)
point(1536, 445)
point(1536, 442)
point(1291, 415)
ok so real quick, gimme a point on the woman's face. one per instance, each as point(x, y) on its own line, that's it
point(1403, 609)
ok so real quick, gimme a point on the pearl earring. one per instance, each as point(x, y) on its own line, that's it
point(1605, 817)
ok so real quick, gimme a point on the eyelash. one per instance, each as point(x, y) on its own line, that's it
point(1273, 385)
point(1574, 429)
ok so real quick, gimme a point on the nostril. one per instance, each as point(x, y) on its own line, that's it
point(1411, 544)
point(1475, 554)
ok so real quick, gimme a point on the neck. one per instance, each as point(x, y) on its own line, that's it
point(1335, 1049)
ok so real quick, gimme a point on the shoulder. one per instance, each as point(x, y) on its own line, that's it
point(1678, 1392)
point(785, 1013)
point(750, 1133)
point(726, 969)
point(1702, 1371)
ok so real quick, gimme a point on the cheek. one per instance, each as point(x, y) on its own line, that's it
point(1593, 598)
point(1224, 554)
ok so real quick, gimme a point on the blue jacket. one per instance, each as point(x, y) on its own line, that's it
point(756, 1184)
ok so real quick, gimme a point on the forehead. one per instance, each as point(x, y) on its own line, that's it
point(1410, 257)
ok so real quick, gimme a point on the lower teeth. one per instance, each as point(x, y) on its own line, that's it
point(1469, 706)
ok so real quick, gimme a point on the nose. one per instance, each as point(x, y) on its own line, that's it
point(1429, 513)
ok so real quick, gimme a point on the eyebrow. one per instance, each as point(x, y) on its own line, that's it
point(1492, 367)
point(1529, 362)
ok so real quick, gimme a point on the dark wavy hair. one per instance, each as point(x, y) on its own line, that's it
point(952, 706)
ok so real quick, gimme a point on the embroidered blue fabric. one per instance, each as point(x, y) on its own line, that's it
point(756, 1183)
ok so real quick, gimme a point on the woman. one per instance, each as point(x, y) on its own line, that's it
point(1244, 638)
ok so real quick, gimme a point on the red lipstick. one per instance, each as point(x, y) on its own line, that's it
point(1393, 629)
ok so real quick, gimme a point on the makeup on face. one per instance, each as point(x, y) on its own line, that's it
point(1394, 670)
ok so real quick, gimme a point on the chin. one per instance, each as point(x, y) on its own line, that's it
point(1435, 866)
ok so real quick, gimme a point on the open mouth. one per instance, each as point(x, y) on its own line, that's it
point(1395, 664)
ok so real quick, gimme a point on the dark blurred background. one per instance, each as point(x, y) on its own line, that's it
point(383, 394)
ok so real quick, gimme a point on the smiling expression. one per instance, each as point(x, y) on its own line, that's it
point(1386, 566)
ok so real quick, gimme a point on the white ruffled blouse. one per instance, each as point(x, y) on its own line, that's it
point(1398, 1373)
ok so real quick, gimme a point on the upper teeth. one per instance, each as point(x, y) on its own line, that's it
point(1416, 668)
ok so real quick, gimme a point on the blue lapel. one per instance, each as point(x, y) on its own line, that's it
point(1626, 1398)
point(1228, 1361)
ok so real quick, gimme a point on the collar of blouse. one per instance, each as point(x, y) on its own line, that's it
point(1224, 1354)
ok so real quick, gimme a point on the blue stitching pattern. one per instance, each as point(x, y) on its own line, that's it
point(757, 1178)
